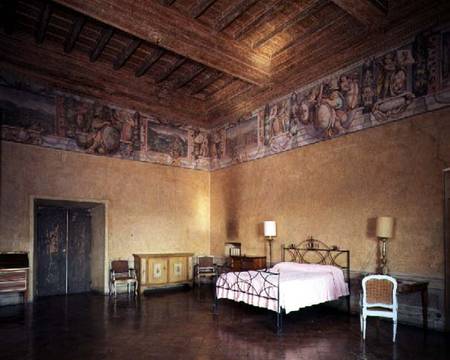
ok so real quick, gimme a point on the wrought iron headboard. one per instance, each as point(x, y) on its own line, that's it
point(312, 251)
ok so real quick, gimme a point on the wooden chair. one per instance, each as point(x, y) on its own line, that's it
point(205, 268)
point(121, 274)
point(379, 298)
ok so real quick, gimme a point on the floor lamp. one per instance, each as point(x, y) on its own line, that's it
point(385, 229)
point(270, 231)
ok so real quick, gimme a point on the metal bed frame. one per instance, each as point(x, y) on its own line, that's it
point(310, 251)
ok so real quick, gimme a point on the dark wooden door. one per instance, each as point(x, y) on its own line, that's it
point(447, 246)
point(79, 248)
point(51, 251)
point(63, 250)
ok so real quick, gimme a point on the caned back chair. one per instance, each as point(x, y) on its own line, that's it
point(379, 299)
point(122, 274)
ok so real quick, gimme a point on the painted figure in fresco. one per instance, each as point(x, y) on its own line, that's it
point(368, 87)
point(96, 133)
point(388, 68)
point(216, 150)
point(329, 107)
point(201, 145)
point(295, 108)
point(279, 118)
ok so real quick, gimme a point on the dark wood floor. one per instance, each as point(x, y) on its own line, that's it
point(179, 325)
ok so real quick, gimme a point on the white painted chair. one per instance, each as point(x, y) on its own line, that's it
point(379, 299)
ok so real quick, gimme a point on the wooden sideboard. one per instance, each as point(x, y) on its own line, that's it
point(244, 263)
point(159, 270)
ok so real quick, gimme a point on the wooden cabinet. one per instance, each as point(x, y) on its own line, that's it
point(243, 263)
point(14, 273)
point(158, 270)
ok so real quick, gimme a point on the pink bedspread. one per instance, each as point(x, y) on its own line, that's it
point(301, 285)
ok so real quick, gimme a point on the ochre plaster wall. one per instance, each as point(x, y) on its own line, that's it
point(149, 208)
point(332, 190)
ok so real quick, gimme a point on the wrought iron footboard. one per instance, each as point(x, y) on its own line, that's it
point(259, 285)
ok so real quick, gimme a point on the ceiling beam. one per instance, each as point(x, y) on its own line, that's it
point(200, 7)
point(263, 18)
point(232, 14)
point(310, 9)
point(149, 61)
point(105, 36)
point(364, 11)
point(126, 53)
point(191, 77)
point(72, 37)
point(211, 78)
point(44, 19)
point(167, 2)
point(168, 28)
point(174, 67)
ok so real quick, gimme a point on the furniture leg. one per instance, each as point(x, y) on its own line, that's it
point(424, 294)
point(279, 322)
point(364, 320)
point(394, 330)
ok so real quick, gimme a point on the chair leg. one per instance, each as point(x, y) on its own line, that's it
point(361, 322)
point(394, 330)
point(364, 322)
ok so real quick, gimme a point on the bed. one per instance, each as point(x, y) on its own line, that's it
point(310, 273)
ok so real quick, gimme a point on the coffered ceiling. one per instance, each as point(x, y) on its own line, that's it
point(200, 62)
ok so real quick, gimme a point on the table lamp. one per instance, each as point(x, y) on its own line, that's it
point(270, 231)
point(385, 229)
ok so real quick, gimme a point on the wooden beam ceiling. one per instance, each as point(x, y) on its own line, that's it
point(44, 19)
point(105, 35)
point(150, 21)
point(269, 12)
point(49, 64)
point(126, 52)
point(149, 61)
point(72, 37)
point(365, 11)
point(312, 7)
point(232, 14)
point(184, 82)
point(346, 45)
point(174, 67)
point(200, 7)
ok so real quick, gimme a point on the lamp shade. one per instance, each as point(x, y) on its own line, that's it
point(385, 226)
point(270, 228)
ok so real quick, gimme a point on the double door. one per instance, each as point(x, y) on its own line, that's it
point(63, 246)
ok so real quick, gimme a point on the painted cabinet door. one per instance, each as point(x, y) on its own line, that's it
point(51, 251)
point(78, 252)
point(157, 271)
point(177, 269)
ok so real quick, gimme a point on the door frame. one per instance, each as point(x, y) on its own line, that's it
point(33, 226)
point(446, 234)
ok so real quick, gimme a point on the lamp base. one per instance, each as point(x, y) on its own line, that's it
point(269, 240)
point(383, 259)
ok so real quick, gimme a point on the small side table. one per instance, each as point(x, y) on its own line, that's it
point(409, 287)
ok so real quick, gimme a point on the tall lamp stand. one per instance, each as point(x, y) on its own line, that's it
point(383, 260)
point(269, 240)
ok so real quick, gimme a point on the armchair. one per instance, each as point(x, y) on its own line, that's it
point(121, 274)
